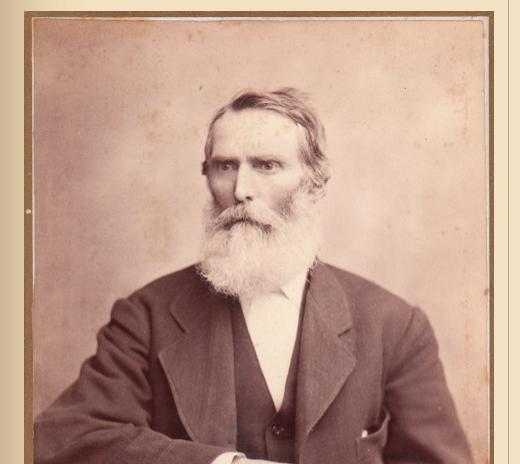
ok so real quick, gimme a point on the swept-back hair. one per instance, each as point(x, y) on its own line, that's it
point(292, 104)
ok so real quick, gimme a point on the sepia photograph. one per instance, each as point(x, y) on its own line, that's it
point(261, 237)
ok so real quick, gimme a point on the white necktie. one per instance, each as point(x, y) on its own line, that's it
point(272, 322)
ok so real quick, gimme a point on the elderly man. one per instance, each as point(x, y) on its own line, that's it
point(261, 352)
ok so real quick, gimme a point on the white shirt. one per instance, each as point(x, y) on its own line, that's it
point(272, 323)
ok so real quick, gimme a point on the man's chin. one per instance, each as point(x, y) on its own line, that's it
point(245, 224)
point(246, 261)
point(259, 251)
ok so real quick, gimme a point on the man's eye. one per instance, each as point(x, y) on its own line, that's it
point(268, 165)
point(225, 166)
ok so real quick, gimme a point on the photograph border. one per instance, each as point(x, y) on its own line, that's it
point(235, 14)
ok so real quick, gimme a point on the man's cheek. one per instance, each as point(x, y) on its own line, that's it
point(286, 206)
point(222, 192)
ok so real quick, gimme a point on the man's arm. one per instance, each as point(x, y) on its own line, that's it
point(424, 426)
point(105, 416)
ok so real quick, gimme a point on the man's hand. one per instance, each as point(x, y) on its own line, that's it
point(243, 460)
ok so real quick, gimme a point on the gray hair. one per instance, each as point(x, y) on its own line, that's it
point(292, 104)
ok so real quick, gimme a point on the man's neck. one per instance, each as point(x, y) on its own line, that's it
point(292, 290)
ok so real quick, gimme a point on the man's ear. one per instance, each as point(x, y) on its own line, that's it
point(315, 191)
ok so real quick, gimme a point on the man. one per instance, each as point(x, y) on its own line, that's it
point(261, 353)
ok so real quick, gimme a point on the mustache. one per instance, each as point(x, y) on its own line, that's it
point(256, 215)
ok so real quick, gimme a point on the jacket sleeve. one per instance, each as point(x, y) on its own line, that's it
point(424, 427)
point(105, 416)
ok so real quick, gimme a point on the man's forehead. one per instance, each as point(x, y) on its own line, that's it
point(256, 126)
point(253, 118)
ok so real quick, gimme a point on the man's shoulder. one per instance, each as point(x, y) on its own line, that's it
point(369, 300)
point(363, 289)
point(366, 299)
point(168, 287)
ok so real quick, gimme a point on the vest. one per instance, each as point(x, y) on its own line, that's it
point(262, 433)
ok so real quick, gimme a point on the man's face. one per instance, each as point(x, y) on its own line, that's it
point(263, 226)
point(255, 159)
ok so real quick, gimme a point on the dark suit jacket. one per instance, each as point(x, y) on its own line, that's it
point(160, 388)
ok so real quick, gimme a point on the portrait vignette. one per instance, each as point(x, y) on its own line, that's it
point(107, 120)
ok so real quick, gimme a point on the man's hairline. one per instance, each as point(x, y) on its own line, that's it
point(302, 142)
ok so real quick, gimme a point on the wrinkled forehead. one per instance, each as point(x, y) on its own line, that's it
point(256, 130)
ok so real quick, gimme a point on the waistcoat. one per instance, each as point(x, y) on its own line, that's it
point(262, 432)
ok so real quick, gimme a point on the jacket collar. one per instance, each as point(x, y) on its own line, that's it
point(326, 353)
point(331, 299)
point(199, 365)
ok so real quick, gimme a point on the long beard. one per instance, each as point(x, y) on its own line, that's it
point(251, 249)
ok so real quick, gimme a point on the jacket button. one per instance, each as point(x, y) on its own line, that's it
point(277, 430)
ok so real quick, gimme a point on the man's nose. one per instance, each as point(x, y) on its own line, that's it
point(244, 188)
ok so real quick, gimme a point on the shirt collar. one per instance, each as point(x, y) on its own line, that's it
point(293, 289)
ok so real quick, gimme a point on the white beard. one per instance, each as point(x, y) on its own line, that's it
point(250, 249)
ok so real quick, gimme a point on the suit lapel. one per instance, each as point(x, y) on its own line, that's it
point(326, 357)
point(199, 366)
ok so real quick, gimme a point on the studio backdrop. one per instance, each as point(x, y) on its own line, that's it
point(121, 111)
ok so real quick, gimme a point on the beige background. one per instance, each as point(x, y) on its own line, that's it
point(121, 109)
point(12, 202)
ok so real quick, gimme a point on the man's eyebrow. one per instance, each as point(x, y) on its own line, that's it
point(265, 157)
point(222, 158)
point(254, 158)
point(268, 158)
